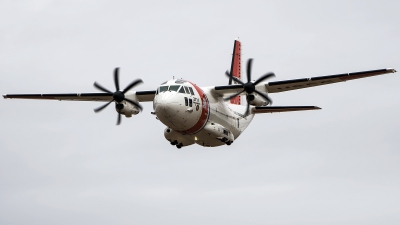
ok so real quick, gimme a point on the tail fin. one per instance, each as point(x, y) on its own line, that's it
point(236, 67)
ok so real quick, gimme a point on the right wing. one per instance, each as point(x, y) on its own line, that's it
point(288, 85)
point(142, 96)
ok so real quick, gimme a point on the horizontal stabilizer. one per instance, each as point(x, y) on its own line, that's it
point(275, 109)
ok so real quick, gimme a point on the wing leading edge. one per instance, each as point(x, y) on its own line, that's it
point(288, 85)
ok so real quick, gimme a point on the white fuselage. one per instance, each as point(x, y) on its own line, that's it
point(193, 115)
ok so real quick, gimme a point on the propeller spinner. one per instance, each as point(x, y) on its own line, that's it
point(118, 96)
point(250, 87)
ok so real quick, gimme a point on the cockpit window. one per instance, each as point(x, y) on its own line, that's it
point(174, 87)
point(191, 91)
point(163, 88)
point(186, 89)
point(182, 90)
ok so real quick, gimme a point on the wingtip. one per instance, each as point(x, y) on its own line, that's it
point(391, 70)
point(316, 107)
point(4, 96)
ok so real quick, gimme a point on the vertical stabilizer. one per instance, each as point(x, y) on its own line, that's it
point(236, 67)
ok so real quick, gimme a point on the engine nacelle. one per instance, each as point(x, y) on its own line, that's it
point(256, 100)
point(176, 138)
point(126, 108)
point(217, 131)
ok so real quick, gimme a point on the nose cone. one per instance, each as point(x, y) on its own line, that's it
point(170, 111)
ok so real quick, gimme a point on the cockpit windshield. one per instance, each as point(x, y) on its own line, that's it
point(174, 87)
point(163, 88)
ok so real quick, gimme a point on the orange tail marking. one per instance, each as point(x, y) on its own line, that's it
point(236, 67)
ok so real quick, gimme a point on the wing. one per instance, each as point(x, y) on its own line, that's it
point(275, 109)
point(142, 96)
point(288, 85)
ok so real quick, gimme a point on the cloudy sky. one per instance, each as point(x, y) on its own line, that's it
point(60, 163)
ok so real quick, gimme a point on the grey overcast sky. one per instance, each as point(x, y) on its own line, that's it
point(60, 163)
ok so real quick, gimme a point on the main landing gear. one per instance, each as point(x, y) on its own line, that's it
point(225, 140)
point(180, 145)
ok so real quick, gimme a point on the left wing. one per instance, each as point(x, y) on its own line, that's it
point(275, 109)
point(288, 85)
point(142, 96)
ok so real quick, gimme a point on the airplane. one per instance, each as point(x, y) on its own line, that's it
point(208, 116)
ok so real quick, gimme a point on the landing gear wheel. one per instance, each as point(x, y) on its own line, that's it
point(179, 145)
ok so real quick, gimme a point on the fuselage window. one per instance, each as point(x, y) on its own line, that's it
point(182, 90)
point(190, 102)
point(191, 91)
point(186, 101)
point(163, 88)
point(174, 87)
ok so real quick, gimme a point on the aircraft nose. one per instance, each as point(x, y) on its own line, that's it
point(169, 111)
point(164, 108)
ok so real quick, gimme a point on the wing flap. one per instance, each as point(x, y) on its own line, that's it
point(288, 85)
point(277, 109)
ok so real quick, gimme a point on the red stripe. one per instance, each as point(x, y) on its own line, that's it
point(235, 67)
point(204, 112)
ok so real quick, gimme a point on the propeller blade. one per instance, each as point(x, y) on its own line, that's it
point(228, 74)
point(247, 110)
point(232, 96)
point(264, 77)
point(98, 86)
point(102, 107)
point(249, 62)
point(134, 103)
point(131, 85)
point(116, 79)
point(230, 77)
point(119, 119)
point(234, 78)
point(264, 96)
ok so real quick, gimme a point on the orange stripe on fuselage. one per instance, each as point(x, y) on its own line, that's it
point(205, 112)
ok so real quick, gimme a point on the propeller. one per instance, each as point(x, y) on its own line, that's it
point(250, 87)
point(118, 96)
